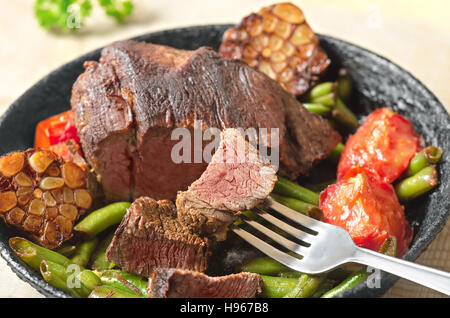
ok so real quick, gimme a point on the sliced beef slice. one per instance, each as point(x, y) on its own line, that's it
point(150, 236)
point(129, 103)
point(176, 283)
point(236, 179)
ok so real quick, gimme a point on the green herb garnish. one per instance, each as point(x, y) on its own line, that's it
point(71, 14)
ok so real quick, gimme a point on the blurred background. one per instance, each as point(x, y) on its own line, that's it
point(412, 33)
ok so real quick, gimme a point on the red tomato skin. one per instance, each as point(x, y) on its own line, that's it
point(62, 150)
point(384, 145)
point(56, 129)
point(368, 209)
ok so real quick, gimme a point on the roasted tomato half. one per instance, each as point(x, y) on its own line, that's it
point(56, 129)
point(368, 209)
point(383, 145)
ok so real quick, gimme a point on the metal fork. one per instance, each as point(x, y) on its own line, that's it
point(327, 246)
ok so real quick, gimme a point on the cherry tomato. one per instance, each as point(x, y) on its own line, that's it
point(368, 209)
point(383, 145)
point(56, 129)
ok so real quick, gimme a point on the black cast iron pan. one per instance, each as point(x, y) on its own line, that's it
point(378, 83)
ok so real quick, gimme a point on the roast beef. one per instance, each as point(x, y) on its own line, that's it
point(237, 178)
point(176, 283)
point(150, 236)
point(127, 105)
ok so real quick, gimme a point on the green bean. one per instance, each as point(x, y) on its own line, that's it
point(102, 219)
point(319, 187)
point(33, 254)
point(66, 250)
point(318, 109)
point(325, 286)
point(111, 292)
point(54, 280)
point(299, 206)
point(331, 95)
point(343, 271)
point(344, 115)
point(335, 154)
point(290, 274)
point(125, 281)
point(306, 287)
point(248, 213)
point(352, 267)
point(263, 266)
point(428, 156)
point(418, 184)
point(344, 85)
point(288, 188)
point(84, 252)
point(328, 100)
point(318, 91)
point(339, 111)
point(277, 287)
point(89, 279)
point(297, 289)
point(99, 261)
point(60, 277)
point(350, 282)
point(333, 123)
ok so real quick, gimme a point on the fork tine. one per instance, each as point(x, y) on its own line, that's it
point(297, 233)
point(268, 249)
point(294, 247)
point(294, 215)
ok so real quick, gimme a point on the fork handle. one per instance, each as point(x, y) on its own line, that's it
point(426, 276)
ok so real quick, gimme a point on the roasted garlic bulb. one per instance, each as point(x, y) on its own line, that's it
point(42, 195)
point(278, 42)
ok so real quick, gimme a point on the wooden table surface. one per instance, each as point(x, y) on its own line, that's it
point(412, 33)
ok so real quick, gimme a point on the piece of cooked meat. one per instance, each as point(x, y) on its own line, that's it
point(150, 236)
point(70, 150)
point(278, 42)
point(236, 179)
point(104, 122)
point(176, 283)
point(42, 195)
point(127, 105)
